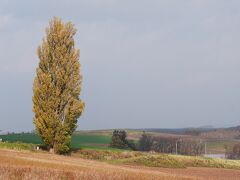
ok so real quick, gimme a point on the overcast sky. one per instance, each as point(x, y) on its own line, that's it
point(145, 64)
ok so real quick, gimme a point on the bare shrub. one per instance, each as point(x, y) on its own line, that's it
point(184, 146)
point(234, 152)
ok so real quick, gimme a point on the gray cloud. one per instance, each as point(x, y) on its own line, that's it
point(145, 63)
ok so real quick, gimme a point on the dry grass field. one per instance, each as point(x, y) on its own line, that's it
point(39, 165)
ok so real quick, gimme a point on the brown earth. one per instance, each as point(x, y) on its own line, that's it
point(39, 165)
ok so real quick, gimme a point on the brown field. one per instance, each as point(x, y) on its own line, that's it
point(32, 165)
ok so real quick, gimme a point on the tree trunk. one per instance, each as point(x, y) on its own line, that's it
point(51, 150)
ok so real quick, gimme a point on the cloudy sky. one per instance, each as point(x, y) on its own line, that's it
point(148, 63)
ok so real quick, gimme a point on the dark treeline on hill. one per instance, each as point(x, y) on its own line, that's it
point(177, 130)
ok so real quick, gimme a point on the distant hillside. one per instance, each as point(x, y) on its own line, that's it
point(234, 128)
point(231, 132)
point(204, 132)
point(179, 131)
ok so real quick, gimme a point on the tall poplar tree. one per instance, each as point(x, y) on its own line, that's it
point(57, 87)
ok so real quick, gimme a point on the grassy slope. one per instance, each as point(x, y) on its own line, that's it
point(156, 159)
point(172, 161)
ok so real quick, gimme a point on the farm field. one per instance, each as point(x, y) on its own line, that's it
point(100, 139)
point(39, 165)
point(217, 146)
point(84, 140)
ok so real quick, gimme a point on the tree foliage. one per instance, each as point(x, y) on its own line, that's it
point(119, 139)
point(145, 142)
point(57, 87)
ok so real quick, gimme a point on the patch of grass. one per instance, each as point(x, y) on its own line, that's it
point(197, 161)
point(83, 140)
point(17, 145)
point(163, 160)
point(177, 161)
point(97, 148)
point(105, 155)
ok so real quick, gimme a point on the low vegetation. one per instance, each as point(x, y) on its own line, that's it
point(155, 159)
point(175, 161)
point(17, 146)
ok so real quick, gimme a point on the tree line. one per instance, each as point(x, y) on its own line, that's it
point(173, 145)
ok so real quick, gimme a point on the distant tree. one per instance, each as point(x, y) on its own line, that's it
point(164, 144)
point(190, 147)
point(57, 86)
point(119, 139)
point(145, 142)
